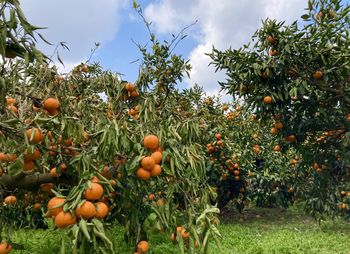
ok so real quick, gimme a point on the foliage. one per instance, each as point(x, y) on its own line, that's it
point(305, 71)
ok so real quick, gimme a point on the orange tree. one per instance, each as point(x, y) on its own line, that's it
point(246, 160)
point(84, 158)
point(299, 74)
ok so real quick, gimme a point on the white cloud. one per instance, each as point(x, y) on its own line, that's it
point(222, 23)
point(80, 23)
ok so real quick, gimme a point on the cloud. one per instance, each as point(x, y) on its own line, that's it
point(222, 23)
point(79, 23)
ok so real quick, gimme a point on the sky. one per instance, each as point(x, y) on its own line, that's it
point(115, 24)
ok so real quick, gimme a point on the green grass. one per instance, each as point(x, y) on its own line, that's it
point(277, 231)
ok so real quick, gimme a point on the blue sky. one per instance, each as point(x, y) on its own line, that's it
point(114, 23)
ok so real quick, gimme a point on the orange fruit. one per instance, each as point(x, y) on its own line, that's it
point(33, 155)
point(148, 163)
point(274, 131)
point(156, 171)
point(143, 174)
point(151, 142)
point(13, 109)
point(10, 200)
point(129, 87)
point(317, 75)
point(53, 172)
point(5, 248)
point(277, 148)
point(28, 165)
point(151, 196)
point(101, 210)
point(10, 101)
point(273, 52)
point(94, 192)
point(37, 206)
point(185, 234)
point(278, 125)
point(236, 172)
point(86, 211)
point(64, 219)
point(51, 104)
point(267, 99)
point(291, 138)
point(143, 246)
point(218, 136)
point(37, 136)
point(271, 39)
point(55, 205)
point(157, 157)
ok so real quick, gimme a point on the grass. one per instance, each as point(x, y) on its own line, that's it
point(272, 231)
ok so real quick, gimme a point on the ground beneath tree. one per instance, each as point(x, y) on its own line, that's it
point(262, 231)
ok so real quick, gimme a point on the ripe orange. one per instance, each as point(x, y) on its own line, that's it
point(151, 196)
point(86, 211)
point(236, 172)
point(55, 205)
point(37, 136)
point(156, 171)
point(10, 200)
point(273, 52)
point(291, 138)
point(94, 192)
point(143, 246)
point(267, 99)
point(10, 101)
point(129, 87)
point(277, 148)
point(278, 125)
point(185, 234)
point(32, 155)
point(271, 39)
point(318, 75)
point(219, 142)
point(151, 142)
point(157, 157)
point(64, 219)
point(143, 174)
point(37, 206)
point(28, 165)
point(148, 163)
point(5, 248)
point(51, 105)
point(101, 210)
point(53, 172)
point(218, 136)
point(274, 131)
point(13, 109)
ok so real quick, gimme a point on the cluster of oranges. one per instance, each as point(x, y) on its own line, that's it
point(130, 91)
point(343, 205)
point(134, 112)
point(86, 210)
point(10, 105)
point(150, 165)
point(215, 146)
point(277, 126)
